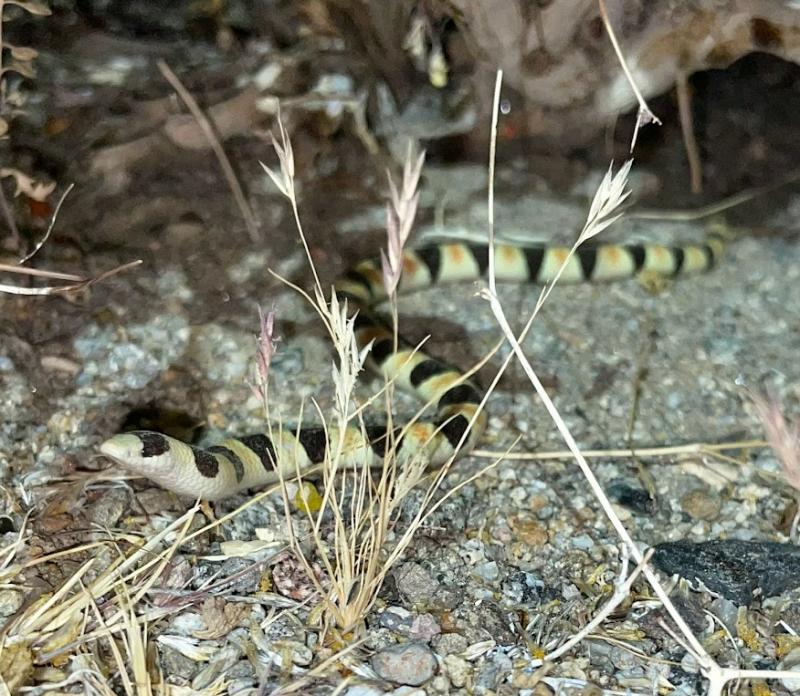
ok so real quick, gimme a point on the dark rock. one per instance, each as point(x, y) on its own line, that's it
point(731, 568)
point(632, 497)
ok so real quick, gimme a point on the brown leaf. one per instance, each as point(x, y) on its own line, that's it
point(35, 8)
point(221, 617)
point(23, 53)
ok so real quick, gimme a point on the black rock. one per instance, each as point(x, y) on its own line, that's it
point(733, 569)
point(632, 497)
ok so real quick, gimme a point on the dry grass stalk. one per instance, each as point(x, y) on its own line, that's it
point(80, 282)
point(225, 164)
point(782, 436)
point(71, 617)
point(690, 449)
point(608, 193)
point(77, 283)
point(645, 115)
point(687, 130)
point(784, 439)
point(50, 227)
point(360, 509)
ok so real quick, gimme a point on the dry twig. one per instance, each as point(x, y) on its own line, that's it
point(687, 130)
point(208, 130)
point(645, 115)
point(80, 283)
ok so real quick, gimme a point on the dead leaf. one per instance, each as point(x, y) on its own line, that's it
point(221, 617)
point(23, 53)
point(28, 185)
point(35, 8)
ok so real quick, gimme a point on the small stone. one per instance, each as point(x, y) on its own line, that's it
point(582, 542)
point(415, 583)
point(419, 587)
point(10, 602)
point(523, 588)
point(458, 670)
point(176, 664)
point(528, 531)
point(424, 627)
point(701, 506)
point(791, 663)
point(622, 658)
point(395, 618)
point(490, 672)
point(631, 496)
point(449, 643)
point(108, 508)
point(726, 611)
point(487, 571)
point(411, 663)
point(299, 653)
point(537, 503)
point(364, 690)
point(689, 663)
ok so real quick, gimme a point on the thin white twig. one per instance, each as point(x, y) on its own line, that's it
point(622, 588)
point(645, 115)
point(78, 285)
point(491, 296)
point(50, 227)
point(669, 451)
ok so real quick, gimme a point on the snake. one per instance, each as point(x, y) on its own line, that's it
point(237, 464)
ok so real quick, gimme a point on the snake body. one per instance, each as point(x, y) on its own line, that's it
point(241, 463)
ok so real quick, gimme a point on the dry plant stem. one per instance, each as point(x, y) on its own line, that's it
point(50, 227)
point(645, 115)
point(491, 295)
point(719, 676)
point(594, 484)
point(317, 671)
point(622, 587)
point(55, 290)
point(208, 130)
point(687, 130)
point(692, 448)
point(285, 184)
point(54, 613)
point(713, 208)
point(53, 275)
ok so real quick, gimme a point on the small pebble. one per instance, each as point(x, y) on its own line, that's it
point(411, 663)
point(424, 628)
point(791, 663)
point(395, 618)
point(449, 643)
point(487, 571)
point(364, 690)
point(701, 506)
point(458, 669)
point(528, 531)
point(582, 542)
